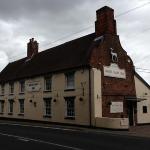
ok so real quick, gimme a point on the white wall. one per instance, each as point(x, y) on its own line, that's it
point(142, 91)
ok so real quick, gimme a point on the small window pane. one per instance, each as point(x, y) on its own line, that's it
point(70, 107)
point(70, 81)
point(144, 109)
point(21, 104)
point(47, 107)
point(1, 106)
point(48, 82)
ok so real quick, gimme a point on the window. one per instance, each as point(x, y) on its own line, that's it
point(21, 104)
point(47, 107)
point(11, 101)
point(11, 88)
point(22, 86)
point(1, 106)
point(47, 83)
point(2, 89)
point(70, 80)
point(144, 109)
point(70, 107)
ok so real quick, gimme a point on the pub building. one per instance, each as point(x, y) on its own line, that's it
point(89, 81)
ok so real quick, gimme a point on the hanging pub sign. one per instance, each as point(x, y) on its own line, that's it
point(33, 86)
point(114, 71)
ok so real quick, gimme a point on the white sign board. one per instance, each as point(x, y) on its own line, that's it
point(33, 86)
point(114, 71)
point(116, 107)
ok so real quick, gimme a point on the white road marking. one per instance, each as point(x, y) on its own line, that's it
point(39, 141)
point(35, 126)
point(23, 139)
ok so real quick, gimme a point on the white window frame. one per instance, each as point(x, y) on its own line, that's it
point(70, 80)
point(70, 111)
point(47, 108)
point(48, 83)
point(21, 106)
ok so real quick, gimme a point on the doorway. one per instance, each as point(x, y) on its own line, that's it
point(131, 112)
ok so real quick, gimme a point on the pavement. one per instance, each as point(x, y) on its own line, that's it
point(23, 135)
point(138, 131)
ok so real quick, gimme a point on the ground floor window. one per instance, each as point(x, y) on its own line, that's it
point(144, 109)
point(1, 106)
point(47, 107)
point(21, 105)
point(70, 106)
point(11, 101)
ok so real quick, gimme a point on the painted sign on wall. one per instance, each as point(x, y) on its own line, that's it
point(114, 71)
point(33, 86)
point(116, 107)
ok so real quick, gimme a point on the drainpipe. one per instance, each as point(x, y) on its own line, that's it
point(90, 109)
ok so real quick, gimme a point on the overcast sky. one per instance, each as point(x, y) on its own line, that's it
point(50, 20)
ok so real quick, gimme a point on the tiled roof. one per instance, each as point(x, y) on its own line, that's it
point(68, 55)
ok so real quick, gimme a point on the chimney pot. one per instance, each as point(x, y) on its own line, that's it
point(32, 48)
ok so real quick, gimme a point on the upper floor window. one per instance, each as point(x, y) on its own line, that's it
point(70, 80)
point(22, 86)
point(48, 83)
point(11, 88)
point(2, 89)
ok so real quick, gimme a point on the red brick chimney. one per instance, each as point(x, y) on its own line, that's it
point(32, 48)
point(105, 23)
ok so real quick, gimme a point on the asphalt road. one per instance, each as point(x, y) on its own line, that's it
point(27, 137)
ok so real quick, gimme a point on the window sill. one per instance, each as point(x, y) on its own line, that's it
point(69, 90)
point(70, 118)
point(20, 114)
point(47, 116)
point(10, 113)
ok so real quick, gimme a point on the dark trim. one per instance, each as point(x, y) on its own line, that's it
point(46, 122)
point(21, 93)
point(69, 90)
point(47, 91)
point(11, 94)
point(21, 114)
point(10, 113)
point(67, 97)
point(2, 95)
point(1, 113)
point(47, 116)
point(70, 118)
point(142, 124)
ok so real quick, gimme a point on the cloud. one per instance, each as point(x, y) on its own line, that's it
point(49, 20)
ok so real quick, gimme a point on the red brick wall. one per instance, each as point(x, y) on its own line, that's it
point(113, 89)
